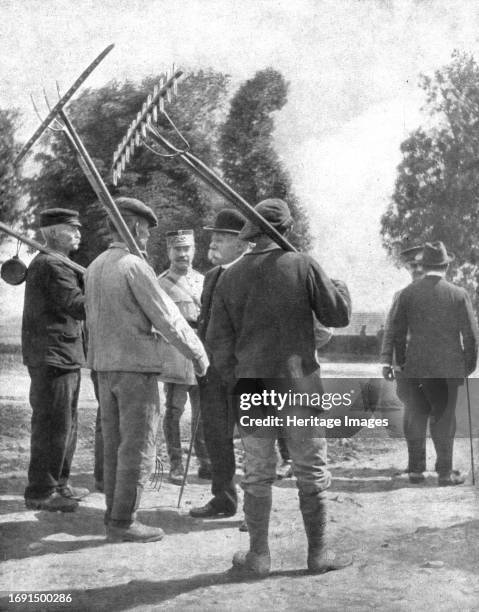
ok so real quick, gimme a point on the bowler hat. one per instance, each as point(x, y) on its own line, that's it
point(228, 221)
point(435, 255)
point(273, 210)
point(56, 216)
point(132, 206)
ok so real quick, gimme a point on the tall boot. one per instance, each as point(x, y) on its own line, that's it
point(257, 561)
point(320, 559)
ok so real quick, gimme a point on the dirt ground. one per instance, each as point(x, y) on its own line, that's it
point(414, 547)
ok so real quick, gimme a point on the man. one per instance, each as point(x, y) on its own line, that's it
point(261, 338)
point(184, 286)
point(130, 319)
point(216, 408)
point(52, 346)
point(435, 339)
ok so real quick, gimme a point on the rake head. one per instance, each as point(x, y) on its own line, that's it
point(145, 119)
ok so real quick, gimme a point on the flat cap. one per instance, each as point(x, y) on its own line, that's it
point(184, 237)
point(55, 216)
point(275, 211)
point(228, 221)
point(132, 206)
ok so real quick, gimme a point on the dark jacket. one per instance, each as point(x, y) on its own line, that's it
point(210, 281)
point(442, 330)
point(54, 306)
point(262, 316)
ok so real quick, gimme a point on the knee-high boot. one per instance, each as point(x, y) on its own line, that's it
point(257, 560)
point(320, 559)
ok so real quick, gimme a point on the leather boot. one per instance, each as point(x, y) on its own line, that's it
point(320, 559)
point(257, 561)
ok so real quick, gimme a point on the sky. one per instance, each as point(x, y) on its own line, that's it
point(352, 65)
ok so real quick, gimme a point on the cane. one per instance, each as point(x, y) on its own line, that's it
point(470, 430)
point(188, 459)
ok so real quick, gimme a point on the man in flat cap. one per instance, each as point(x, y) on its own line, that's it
point(435, 341)
point(184, 286)
point(52, 346)
point(130, 320)
point(216, 407)
point(261, 340)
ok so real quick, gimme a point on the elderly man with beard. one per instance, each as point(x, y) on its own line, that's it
point(52, 346)
point(261, 339)
point(130, 321)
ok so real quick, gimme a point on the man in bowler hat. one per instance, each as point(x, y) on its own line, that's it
point(52, 346)
point(435, 342)
point(216, 408)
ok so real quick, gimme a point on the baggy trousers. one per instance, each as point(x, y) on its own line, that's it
point(98, 467)
point(175, 401)
point(130, 409)
point(306, 444)
point(54, 401)
point(433, 400)
point(218, 427)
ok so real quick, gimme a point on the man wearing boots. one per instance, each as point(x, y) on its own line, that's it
point(130, 319)
point(216, 409)
point(261, 338)
point(52, 346)
point(184, 286)
point(435, 340)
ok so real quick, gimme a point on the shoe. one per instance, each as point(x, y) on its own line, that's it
point(416, 477)
point(53, 503)
point(452, 479)
point(210, 510)
point(176, 474)
point(136, 532)
point(285, 470)
point(69, 492)
point(252, 564)
point(205, 473)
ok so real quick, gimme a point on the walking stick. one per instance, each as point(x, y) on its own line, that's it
point(188, 459)
point(470, 430)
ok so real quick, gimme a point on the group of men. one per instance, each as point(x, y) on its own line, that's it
point(249, 326)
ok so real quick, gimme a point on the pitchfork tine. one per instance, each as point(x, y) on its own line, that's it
point(37, 112)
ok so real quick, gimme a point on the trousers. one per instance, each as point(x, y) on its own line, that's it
point(176, 396)
point(218, 427)
point(305, 443)
point(430, 400)
point(54, 401)
point(130, 410)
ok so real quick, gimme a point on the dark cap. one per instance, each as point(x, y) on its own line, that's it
point(435, 255)
point(55, 216)
point(180, 238)
point(228, 221)
point(132, 206)
point(275, 211)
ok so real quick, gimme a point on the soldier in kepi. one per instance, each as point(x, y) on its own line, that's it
point(52, 346)
point(184, 286)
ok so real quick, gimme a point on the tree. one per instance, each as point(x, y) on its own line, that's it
point(10, 182)
point(437, 186)
point(102, 116)
point(250, 163)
